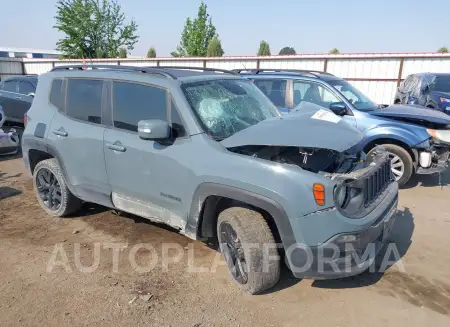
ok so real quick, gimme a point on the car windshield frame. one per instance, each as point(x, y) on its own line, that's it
point(212, 86)
point(366, 105)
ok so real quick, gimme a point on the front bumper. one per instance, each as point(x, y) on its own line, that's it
point(440, 161)
point(346, 253)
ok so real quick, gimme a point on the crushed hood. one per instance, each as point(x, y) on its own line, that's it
point(413, 113)
point(311, 128)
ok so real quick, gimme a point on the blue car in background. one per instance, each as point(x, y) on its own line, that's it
point(425, 89)
point(417, 138)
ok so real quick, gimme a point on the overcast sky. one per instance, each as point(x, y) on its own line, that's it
point(310, 26)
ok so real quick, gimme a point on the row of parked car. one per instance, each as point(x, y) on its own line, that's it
point(208, 152)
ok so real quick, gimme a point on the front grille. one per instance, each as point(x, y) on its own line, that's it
point(376, 183)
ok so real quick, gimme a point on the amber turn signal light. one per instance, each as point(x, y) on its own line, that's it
point(319, 194)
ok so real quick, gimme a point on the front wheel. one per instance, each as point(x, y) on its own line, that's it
point(401, 163)
point(249, 249)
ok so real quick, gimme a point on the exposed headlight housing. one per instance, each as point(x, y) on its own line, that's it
point(440, 134)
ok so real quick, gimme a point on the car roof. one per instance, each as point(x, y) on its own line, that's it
point(33, 78)
point(183, 74)
point(288, 74)
point(432, 74)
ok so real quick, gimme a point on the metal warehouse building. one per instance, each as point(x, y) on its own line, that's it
point(6, 52)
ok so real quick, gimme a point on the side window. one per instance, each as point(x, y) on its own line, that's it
point(274, 89)
point(134, 102)
point(57, 94)
point(305, 91)
point(84, 99)
point(10, 86)
point(26, 87)
point(177, 122)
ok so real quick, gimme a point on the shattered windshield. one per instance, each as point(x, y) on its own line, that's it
point(353, 95)
point(227, 106)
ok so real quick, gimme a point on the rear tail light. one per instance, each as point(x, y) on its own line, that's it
point(25, 120)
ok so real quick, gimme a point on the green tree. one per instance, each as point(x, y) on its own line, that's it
point(93, 29)
point(122, 52)
point(334, 51)
point(287, 51)
point(196, 35)
point(264, 49)
point(214, 48)
point(443, 50)
point(151, 53)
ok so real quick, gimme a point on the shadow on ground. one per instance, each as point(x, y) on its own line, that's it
point(442, 179)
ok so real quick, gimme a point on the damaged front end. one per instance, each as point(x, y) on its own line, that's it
point(360, 181)
point(433, 155)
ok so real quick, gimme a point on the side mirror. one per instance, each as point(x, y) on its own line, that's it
point(339, 108)
point(153, 129)
point(31, 94)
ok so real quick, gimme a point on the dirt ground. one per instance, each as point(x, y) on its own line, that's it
point(35, 293)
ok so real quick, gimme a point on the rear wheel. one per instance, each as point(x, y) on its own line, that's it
point(249, 249)
point(51, 189)
point(401, 163)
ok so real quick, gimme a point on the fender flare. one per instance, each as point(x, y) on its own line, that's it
point(207, 189)
point(34, 143)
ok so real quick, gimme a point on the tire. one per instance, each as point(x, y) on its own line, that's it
point(405, 157)
point(250, 228)
point(68, 202)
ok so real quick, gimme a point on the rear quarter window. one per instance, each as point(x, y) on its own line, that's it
point(57, 94)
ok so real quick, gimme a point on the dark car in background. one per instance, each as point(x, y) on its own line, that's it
point(16, 96)
point(431, 90)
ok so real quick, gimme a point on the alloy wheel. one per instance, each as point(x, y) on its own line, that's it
point(48, 189)
point(233, 252)
point(397, 166)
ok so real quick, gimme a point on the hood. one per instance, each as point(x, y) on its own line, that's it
point(311, 128)
point(413, 114)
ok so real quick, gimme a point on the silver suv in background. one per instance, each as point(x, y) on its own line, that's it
point(16, 96)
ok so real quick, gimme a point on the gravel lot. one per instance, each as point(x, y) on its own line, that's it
point(115, 294)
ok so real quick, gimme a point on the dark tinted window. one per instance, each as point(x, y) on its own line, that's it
point(134, 102)
point(177, 123)
point(26, 87)
point(10, 86)
point(57, 94)
point(274, 89)
point(84, 99)
point(441, 84)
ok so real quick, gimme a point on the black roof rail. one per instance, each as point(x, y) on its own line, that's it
point(205, 69)
point(302, 71)
point(149, 70)
point(157, 70)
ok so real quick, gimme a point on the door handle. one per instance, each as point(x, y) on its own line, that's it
point(116, 147)
point(18, 98)
point(60, 132)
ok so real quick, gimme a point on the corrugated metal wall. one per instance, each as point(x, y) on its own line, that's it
point(377, 75)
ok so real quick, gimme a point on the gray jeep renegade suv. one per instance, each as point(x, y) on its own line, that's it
point(205, 152)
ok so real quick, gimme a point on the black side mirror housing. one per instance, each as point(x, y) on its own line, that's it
point(339, 108)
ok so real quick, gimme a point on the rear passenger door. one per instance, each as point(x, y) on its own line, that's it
point(145, 176)
point(76, 134)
